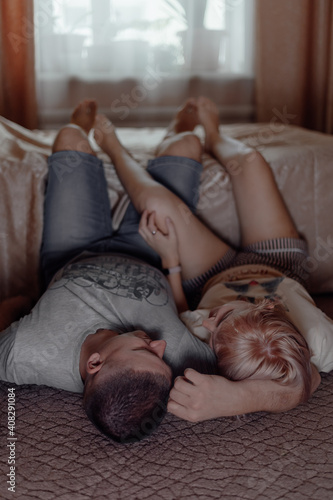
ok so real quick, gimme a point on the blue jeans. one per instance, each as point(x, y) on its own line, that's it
point(77, 211)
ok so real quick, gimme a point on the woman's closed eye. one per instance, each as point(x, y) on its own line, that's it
point(224, 317)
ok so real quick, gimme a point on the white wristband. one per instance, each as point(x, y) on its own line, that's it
point(172, 270)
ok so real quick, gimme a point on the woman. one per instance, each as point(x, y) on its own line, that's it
point(196, 258)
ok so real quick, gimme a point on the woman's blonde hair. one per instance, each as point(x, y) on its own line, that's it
point(263, 344)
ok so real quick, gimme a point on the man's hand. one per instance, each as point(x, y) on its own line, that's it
point(196, 397)
point(165, 244)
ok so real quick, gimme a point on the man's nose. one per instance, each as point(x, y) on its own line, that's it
point(158, 346)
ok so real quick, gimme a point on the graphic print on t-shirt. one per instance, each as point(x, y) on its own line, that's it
point(119, 276)
point(254, 290)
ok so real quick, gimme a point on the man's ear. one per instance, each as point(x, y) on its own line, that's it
point(94, 363)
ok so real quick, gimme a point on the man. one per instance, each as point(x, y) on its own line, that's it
point(107, 324)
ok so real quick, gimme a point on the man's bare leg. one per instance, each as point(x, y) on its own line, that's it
point(261, 210)
point(199, 248)
point(76, 207)
point(75, 139)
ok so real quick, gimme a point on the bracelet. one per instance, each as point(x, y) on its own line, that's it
point(172, 270)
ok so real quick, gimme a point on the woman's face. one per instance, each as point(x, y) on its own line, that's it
point(220, 314)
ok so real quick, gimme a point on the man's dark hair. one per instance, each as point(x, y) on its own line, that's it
point(128, 405)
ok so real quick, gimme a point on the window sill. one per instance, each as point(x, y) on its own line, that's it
point(150, 102)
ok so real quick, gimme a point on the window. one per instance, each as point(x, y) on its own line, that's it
point(102, 47)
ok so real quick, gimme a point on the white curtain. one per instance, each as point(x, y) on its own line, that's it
point(140, 58)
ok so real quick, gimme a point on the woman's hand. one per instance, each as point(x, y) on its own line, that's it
point(165, 244)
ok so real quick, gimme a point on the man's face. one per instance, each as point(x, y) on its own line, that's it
point(135, 350)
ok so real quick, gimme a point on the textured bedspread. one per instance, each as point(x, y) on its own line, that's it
point(59, 454)
point(256, 457)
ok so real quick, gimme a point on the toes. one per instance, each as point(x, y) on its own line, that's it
point(86, 106)
point(91, 106)
point(191, 102)
point(103, 123)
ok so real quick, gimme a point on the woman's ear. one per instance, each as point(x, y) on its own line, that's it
point(94, 363)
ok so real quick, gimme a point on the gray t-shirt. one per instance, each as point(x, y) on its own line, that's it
point(110, 291)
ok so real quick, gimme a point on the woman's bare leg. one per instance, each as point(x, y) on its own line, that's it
point(261, 210)
point(199, 248)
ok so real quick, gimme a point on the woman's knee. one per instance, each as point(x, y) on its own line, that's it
point(165, 204)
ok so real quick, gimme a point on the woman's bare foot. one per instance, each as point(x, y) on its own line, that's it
point(186, 118)
point(84, 114)
point(105, 135)
point(209, 118)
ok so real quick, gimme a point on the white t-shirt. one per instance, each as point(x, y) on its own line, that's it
point(248, 282)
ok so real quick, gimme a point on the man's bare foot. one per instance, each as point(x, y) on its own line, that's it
point(186, 118)
point(209, 118)
point(84, 114)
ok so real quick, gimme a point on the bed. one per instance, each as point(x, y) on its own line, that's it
point(59, 454)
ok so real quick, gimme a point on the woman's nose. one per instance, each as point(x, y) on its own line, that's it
point(209, 323)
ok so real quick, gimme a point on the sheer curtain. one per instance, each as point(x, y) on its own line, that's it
point(140, 59)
